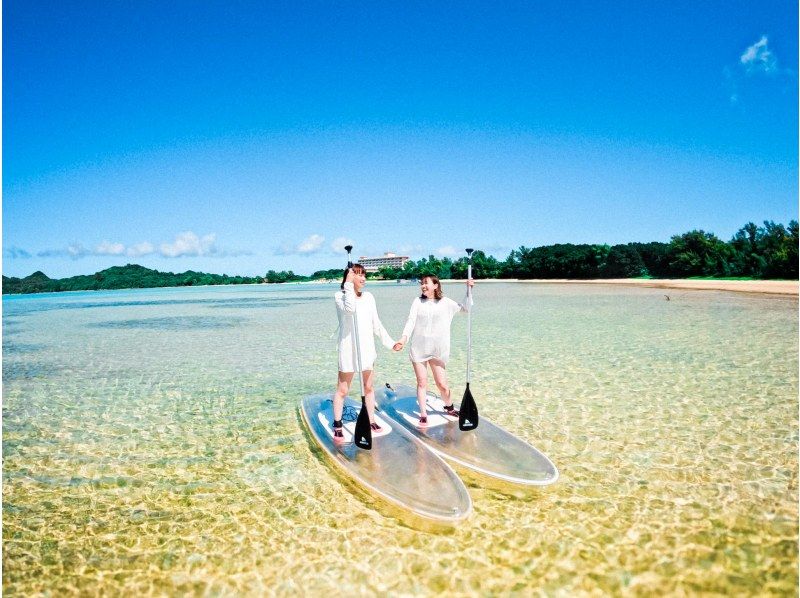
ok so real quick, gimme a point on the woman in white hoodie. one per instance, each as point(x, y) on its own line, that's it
point(428, 327)
point(352, 299)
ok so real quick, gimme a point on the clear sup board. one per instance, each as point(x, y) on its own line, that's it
point(398, 468)
point(488, 449)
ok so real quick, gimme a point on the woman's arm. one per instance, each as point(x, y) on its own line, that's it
point(408, 329)
point(378, 329)
point(346, 300)
point(466, 302)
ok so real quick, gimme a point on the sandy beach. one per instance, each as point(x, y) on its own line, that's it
point(768, 287)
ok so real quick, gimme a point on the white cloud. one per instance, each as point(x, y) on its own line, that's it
point(14, 252)
point(307, 246)
point(51, 253)
point(758, 58)
point(185, 244)
point(338, 244)
point(108, 248)
point(140, 249)
point(188, 243)
point(311, 245)
point(73, 250)
point(77, 251)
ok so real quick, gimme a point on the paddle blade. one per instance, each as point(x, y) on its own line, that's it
point(363, 432)
point(467, 412)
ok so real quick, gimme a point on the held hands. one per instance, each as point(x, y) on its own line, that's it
point(398, 346)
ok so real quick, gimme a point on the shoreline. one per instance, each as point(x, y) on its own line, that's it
point(761, 287)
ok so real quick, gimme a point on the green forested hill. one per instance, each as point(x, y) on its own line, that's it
point(119, 277)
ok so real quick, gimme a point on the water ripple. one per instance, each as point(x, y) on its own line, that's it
point(175, 463)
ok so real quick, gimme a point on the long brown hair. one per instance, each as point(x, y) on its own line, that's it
point(357, 269)
point(437, 294)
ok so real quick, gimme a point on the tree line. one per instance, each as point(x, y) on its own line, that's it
point(761, 252)
point(131, 276)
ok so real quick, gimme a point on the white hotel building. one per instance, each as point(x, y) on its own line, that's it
point(372, 264)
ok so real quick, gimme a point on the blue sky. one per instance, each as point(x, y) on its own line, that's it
point(239, 137)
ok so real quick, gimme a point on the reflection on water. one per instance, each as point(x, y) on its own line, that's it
point(240, 302)
point(30, 368)
point(172, 460)
point(173, 323)
point(10, 347)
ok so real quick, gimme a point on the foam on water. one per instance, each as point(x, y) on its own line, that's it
point(151, 445)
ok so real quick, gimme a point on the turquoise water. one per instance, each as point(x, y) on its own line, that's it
point(152, 445)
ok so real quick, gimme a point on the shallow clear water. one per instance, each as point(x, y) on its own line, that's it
point(152, 444)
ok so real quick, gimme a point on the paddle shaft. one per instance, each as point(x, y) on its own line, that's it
point(469, 321)
point(468, 412)
point(362, 435)
point(355, 335)
point(358, 354)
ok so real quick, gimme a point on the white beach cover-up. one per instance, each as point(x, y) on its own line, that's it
point(428, 327)
point(368, 324)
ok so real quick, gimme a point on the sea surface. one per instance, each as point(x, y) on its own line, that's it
point(152, 446)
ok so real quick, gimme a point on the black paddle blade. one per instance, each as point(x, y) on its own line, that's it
point(467, 412)
point(363, 432)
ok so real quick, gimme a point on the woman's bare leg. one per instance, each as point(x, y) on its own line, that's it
point(440, 378)
point(342, 388)
point(421, 372)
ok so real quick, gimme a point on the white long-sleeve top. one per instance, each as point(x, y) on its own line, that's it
point(368, 324)
point(428, 327)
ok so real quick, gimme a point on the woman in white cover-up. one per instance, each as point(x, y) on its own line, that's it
point(352, 299)
point(428, 327)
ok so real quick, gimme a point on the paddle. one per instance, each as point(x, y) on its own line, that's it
point(363, 431)
point(468, 410)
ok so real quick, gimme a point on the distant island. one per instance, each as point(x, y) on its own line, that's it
point(133, 276)
point(766, 252)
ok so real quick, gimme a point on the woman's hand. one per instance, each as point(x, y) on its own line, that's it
point(470, 283)
point(398, 346)
point(351, 276)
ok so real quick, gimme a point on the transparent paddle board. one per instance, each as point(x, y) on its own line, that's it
point(488, 449)
point(398, 468)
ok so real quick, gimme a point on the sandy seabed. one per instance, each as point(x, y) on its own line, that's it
point(152, 445)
